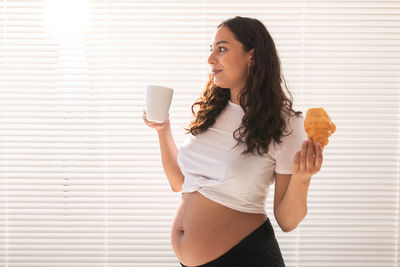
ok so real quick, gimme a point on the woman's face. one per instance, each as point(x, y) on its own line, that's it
point(227, 55)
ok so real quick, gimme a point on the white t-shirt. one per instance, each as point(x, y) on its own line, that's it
point(218, 171)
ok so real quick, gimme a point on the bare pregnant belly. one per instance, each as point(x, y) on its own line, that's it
point(203, 230)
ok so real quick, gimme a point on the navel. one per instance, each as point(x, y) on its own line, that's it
point(181, 230)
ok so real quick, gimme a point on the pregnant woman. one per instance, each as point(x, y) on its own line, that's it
point(244, 137)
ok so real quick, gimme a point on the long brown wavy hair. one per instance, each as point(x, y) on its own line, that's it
point(262, 97)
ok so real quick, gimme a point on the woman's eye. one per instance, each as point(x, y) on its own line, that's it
point(218, 48)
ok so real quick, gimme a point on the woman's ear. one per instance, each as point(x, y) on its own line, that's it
point(251, 57)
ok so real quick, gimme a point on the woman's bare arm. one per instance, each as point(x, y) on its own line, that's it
point(169, 152)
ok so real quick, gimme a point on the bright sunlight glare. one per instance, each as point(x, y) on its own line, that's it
point(67, 19)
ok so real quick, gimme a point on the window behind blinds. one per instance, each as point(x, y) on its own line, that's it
point(81, 177)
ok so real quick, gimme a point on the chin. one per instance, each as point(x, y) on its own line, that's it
point(219, 84)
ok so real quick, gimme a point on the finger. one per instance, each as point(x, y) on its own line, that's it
point(144, 117)
point(310, 158)
point(150, 123)
point(319, 157)
point(303, 155)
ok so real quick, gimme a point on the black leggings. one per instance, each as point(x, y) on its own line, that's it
point(259, 249)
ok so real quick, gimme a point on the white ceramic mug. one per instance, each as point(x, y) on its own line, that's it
point(158, 101)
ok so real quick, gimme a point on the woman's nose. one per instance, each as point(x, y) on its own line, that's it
point(211, 59)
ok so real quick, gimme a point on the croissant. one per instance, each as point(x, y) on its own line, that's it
point(318, 126)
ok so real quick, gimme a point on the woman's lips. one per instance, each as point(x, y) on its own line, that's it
point(215, 72)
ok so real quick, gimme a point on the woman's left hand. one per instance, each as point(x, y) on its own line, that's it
point(306, 161)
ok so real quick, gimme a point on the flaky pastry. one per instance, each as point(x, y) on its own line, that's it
point(318, 126)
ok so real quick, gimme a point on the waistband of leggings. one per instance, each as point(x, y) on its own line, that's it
point(265, 230)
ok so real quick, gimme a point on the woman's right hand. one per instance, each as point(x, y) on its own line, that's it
point(159, 126)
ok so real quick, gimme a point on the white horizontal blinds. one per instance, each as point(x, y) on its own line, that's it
point(120, 49)
point(3, 194)
point(81, 175)
point(82, 182)
point(351, 68)
point(53, 133)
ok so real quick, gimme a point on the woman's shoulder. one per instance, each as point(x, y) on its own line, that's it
point(293, 132)
point(293, 122)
